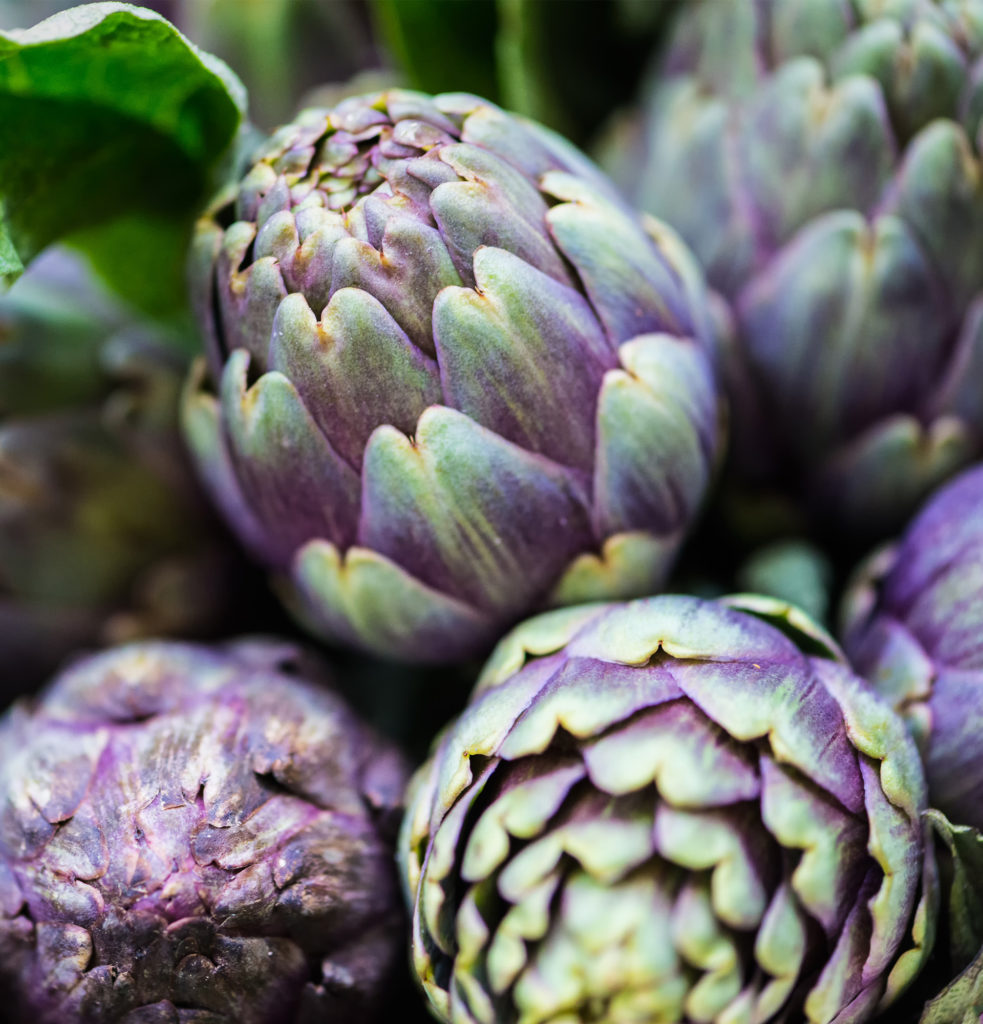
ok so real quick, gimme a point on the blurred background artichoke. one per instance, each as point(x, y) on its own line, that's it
point(104, 536)
point(822, 158)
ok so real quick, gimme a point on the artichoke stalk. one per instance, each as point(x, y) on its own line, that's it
point(194, 835)
point(455, 378)
point(669, 810)
point(822, 158)
point(913, 625)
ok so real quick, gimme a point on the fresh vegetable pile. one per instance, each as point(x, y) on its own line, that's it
point(447, 575)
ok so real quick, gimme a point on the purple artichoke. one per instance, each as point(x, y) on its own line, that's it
point(822, 158)
point(193, 836)
point(913, 625)
point(456, 379)
point(669, 810)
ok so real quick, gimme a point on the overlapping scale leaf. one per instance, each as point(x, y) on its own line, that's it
point(673, 813)
point(460, 379)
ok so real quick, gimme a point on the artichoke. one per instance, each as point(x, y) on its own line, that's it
point(103, 534)
point(669, 810)
point(822, 158)
point(913, 625)
point(455, 379)
point(195, 835)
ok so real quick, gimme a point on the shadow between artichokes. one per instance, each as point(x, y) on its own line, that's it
point(669, 810)
point(456, 380)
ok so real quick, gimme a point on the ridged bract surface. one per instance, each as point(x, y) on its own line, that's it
point(914, 627)
point(457, 380)
point(194, 836)
point(822, 158)
point(667, 811)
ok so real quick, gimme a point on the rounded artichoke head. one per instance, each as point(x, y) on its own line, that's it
point(913, 625)
point(456, 378)
point(669, 810)
point(822, 158)
point(195, 834)
point(103, 533)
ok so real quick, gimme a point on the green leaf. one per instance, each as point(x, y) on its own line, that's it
point(570, 65)
point(965, 846)
point(961, 1001)
point(112, 131)
point(442, 45)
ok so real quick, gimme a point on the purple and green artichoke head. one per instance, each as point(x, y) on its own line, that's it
point(913, 625)
point(822, 158)
point(194, 834)
point(669, 810)
point(455, 378)
point(103, 533)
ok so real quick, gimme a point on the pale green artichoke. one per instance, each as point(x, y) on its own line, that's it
point(669, 811)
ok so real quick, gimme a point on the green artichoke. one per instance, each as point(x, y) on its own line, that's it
point(822, 158)
point(456, 379)
point(913, 625)
point(667, 811)
point(103, 533)
point(193, 835)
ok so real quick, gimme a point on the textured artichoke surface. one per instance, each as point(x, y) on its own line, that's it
point(194, 835)
point(455, 378)
point(822, 158)
point(913, 624)
point(103, 535)
point(668, 811)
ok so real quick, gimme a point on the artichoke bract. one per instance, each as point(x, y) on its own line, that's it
point(104, 535)
point(913, 625)
point(822, 158)
point(195, 834)
point(669, 810)
point(456, 379)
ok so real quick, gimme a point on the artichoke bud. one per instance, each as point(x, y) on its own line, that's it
point(823, 160)
point(194, 833)
point(672, 809)
point(453, 377)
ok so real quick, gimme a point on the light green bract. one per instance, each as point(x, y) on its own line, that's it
point(671, 810)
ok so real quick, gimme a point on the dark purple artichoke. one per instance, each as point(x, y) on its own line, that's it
point(913, 625)
point(456, 379)
point(192, 835)
point(669, 810)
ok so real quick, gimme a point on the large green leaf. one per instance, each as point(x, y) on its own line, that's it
point(113, 128)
